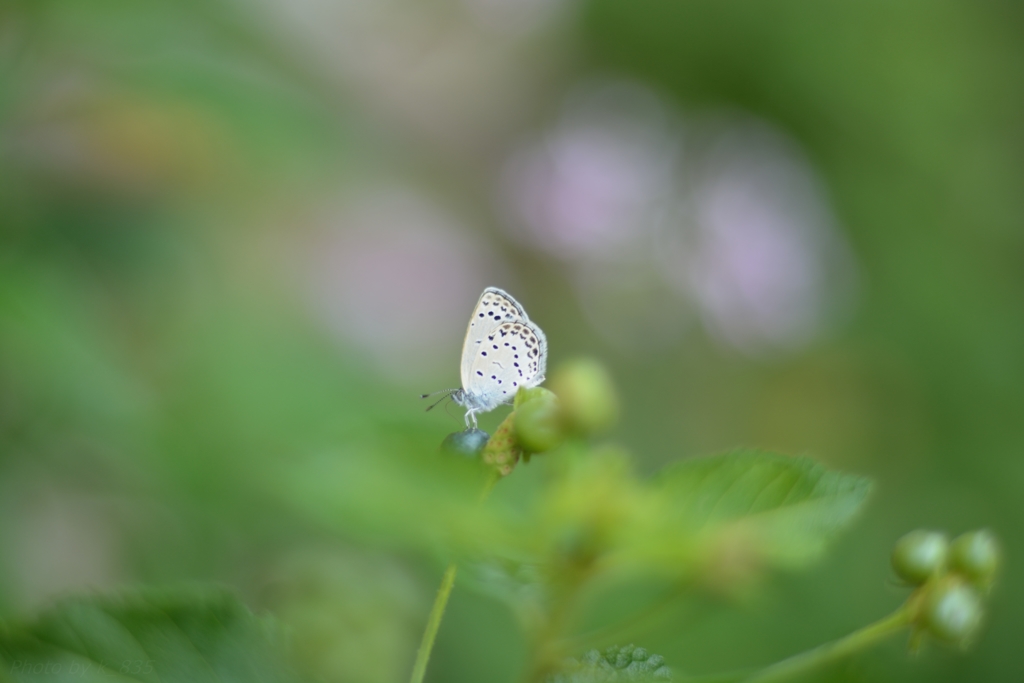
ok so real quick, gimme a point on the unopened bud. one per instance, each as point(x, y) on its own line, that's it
point(953, 611)
point(920, 555)
point(976, 556)
point(587, 394)
point(538, 422)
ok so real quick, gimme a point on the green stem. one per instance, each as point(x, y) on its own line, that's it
point(444, 591)
point(547, 647)
point(860, 639)
point(492, 479)
point(419, 669)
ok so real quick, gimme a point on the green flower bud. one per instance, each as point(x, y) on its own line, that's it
point(538, 423)
point(587, 395)
point(524, 396)
point(920, 555)
point(468, 444)
point(953, 611)
point(976, 556)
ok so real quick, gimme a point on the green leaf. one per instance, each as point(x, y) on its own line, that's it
point(617, 663)
point(790, 507)
point(166, 637)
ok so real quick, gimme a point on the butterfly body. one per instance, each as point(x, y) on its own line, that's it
point(503, 351)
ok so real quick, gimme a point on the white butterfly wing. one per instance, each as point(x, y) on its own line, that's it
point(494, 307)
point(512, 355)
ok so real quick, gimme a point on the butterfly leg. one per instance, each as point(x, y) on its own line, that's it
point(471, 418)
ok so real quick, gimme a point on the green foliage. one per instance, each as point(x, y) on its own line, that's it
point(549, 545)
point(171, 168)
point(171, 637)
point(755, 509)
point(622, 664)
point(787, 508)
point(351, 616)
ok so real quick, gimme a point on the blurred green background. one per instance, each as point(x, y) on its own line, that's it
point(235, 236)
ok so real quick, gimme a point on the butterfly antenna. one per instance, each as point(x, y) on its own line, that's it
point(435, 393)
point(447, 394)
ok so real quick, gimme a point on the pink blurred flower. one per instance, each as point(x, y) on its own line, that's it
point(396, 276)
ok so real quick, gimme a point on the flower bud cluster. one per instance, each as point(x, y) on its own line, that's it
point(582, 404)
point(952, 578)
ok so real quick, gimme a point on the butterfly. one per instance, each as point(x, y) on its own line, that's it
point(503, 352)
